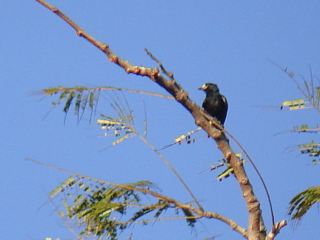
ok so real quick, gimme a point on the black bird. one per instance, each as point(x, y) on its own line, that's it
point(215, 104)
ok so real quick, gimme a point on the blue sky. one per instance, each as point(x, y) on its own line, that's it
point(227, 42)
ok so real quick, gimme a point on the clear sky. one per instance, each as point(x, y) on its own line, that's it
point(227, 42)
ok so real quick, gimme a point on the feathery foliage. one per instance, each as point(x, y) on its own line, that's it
point(184, 138)
point(308, 88)
point(80, 97)
point(295, 104)
point(311, 93)
point(105, 209)
point(311, 149)
point(228, 171)
point(122, 129)
point(303, 201)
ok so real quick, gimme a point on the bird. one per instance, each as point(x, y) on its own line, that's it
point(214, 104)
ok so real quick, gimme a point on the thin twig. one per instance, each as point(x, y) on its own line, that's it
point(108, 88)
point(145, 129)
point(136, 91)
point(188, 134)
point(168, 74)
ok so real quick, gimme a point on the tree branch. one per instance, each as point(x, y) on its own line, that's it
point(197, 211)
point(54, 90)
point(138, 70)
point(256, 228)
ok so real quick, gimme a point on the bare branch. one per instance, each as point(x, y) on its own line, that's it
point(197, 211)
point(138, 70)
point(168, 74)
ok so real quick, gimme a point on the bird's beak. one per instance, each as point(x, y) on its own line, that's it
point(203, 87)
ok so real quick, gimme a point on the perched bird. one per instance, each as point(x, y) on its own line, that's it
point(215, 104)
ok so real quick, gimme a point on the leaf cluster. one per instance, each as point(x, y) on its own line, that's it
point(303, 201)
point(310, 90)
point(122, 129)
point(105, 209)
point(79, 97)
point(311, 149)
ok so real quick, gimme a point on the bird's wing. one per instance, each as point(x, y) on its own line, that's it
point(224, 108)
point(224, 100)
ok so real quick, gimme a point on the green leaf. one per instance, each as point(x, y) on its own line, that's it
point(84, 104)
point(191, 220)
point(106, 209)
point(51, 91)
point(302, 202)
point(302, 128)
point(68, 102)
point(69, 182)
point(308, 89)
point(78, 104)
point(91, 100)
point(311, 149)
point(295, 104)
point(225, 174)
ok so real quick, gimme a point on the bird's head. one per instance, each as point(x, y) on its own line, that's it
point(209, 88)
